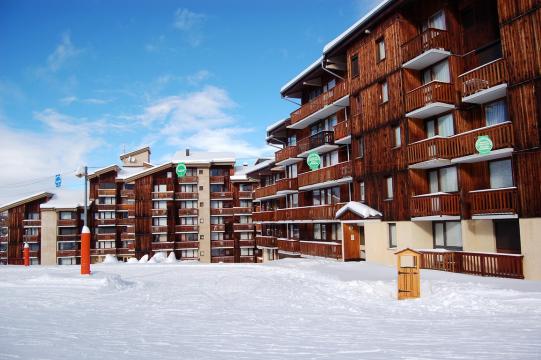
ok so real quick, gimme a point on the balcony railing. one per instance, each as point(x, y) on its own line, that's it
point(128, 193)
point(33, 223)
point(286, 153)
point(98, 251)
point(125, 207)
point(106, 222)
point(163, 195)
point(287, 184)
point(70, 237)
point(107, 192)
point(222, 211)
point(222, 243)
point(68, 222)
point(106, 207)
point(263, 216)
point(265, 241)
point(125, 221)
point(159, 212)
point(247, 243)
point(316, 140)
point(31, 238)
point(435, 205)
point(223, 259)
point(496, 265)
point(321, 249)
point(325, 174)
point(483, 77)
point(188, 212)
point(288, 245)
point(217, 195)
point(493, 201)
point(342, 130)
point(430, 149)
point(106, 237)
point(427, 40)
point(501, 136)
point(243, 227)
point(246, 195)
point(187, 245)
point(217, 179)
point(340, 90)
point(159, 229)
point(435, 91)
point(165, 245)
point(187, 228)
point(265, 191)
point(318, 212)
point(217, 227)
point(242, 211)
point(127, 236)
point(186, 195)
point(187, 180)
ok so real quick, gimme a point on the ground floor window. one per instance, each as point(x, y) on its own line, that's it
point(246, 251)
point(68, 261)
point(105, 244)
point(189, 253)
point(159, 238)
point(392, 236)
point(188, 237)
point(222, 252)
point(448, 235)
point(34, 261)
point(69, 245)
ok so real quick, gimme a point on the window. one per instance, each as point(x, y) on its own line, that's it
point(320, 232)
point(329, 159)
point(201, 172)
point(361, 147)
point(326, 196)
point(67, 231)
point(245, 203)
point(293, 231)
point(216, 220)
point(245, 187)
point(324, 125)
point(384, 92)
point(362, 194)
point(188, 237)
point(31, 231)
point(354, 65)
point(159, 204)
point(107, 200)
point(293, 200)
point(32, 216)
point(160, 188)
point(245, 219)
point(216, 204)
point(188, 221)
point(216, 236)
point(447, 235)
point(392, 236)
point(188, 188)
point(496, 113)
point(246, 236)
point(329, 85)
point(291, 171)
point(105, 245)
point(159, 238)
point(246, 251)
point(217, 187)
point(336, 232)
point(397, 141)
point(65, 215)
point(389, 181)
point(105, 215)
point(67, 261)
point(189, 253)
point(159, 221)
point(437, 72)
point(190, 204)
point(436, 21)
point(380, 49)
point(443, 180)
point(292, 140)
point(501, 174)
point(441, 126)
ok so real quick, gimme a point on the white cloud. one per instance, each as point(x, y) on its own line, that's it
point(62, 53)
point(190, 23)
point(68, 100)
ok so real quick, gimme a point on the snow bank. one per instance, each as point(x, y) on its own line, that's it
point(171, 259)
point(110, 259)
point(144, 259)
point(158, 258)
point(97, 280)
point(133, 260)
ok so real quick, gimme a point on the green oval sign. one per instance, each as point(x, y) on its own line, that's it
point(181, 169)
point(483, 145)
point(313, 160)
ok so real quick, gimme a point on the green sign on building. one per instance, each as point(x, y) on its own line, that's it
point(181, 169)
point(483, 145)
point(313, 161)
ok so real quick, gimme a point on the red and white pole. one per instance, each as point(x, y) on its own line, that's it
point(85, 251)
point(26, 254)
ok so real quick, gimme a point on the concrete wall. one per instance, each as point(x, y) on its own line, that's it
point(478, 235)
point(139, 159)
point(48, 237)
point(204, 214)
point(530, 244)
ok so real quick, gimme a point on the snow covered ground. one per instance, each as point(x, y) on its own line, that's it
point(288, 309)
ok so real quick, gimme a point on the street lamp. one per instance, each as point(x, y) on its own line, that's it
point(85, 233)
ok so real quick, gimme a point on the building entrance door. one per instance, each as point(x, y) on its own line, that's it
point(352, 242)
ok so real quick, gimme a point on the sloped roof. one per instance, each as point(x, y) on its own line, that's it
point(359, 209)
point(25, 200)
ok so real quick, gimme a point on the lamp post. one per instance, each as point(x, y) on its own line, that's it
point(85, 233)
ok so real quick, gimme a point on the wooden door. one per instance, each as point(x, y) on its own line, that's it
point(352, 242)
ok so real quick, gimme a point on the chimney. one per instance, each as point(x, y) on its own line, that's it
point(187, 152)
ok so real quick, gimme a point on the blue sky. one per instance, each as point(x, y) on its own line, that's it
point(81, 80)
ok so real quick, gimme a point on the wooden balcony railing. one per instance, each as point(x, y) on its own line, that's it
point(427, 40)
point(223, 259)
point(98, 251)
point(165, 245)
point(318, 212)
point(105, 222)
point(217, 227)
point(68, 222)
point(435, 205)
point(186, 195)
point(288, 245)
point(483, 77)
point(159, 212)
point(435, 91)
point(287, 184)
point(107, 192)
point(247, 243)
point(246, 195)
point(316, 140)
point(34, 223)
point(222, 243)
point(159, 229)
point(329, 173)
point(188, 180)
point(71, 237)
point(265, 241)
point(217, 179)
point(246, 259)
point(31, 238)
point(186, 228)
point(501, 136)
point(125, 207)
point(223, 211)
point(493, 201)
point(342, 130)
point(163, 195)
point(106, 237)
point(496, 265)
point(430, 149)
point(286, 153)
point(126, 221)
point(129, 193)
point(268, 190)
point(243, 227)
point(127, 236)
point(263, 216)
point(340, 90)
point(242, 211)
point(106, 207)
point(322, 249)
point(68, 253)
point(187, 245)
point(221, 195)
point(188, 212)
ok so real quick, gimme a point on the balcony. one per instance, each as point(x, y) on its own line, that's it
point(31, 223)
point(159, 212)
point(246, 259)
point(186, 228)
point(71, 237)
point(221, 195)
point(338, 174)
point(67, 223)
point(31, 238)
point(128, 193)
point(246, 195)
point(188, 212)
point(342, 132)
point(187, 245)
point(485, 83)
point(106, 207)
point(263, 216)
point(106, 237)
point(222, 211)
point(321, 249)
point(217, 179)
point(223, 259)
point(247, 243)
point(266, 191)
point(222, 243)
point(125, 221)
point(99, 251)
point(164, 195)
point(125, 207)
point(68, 253)
point(127, 236)
point(493, 202)
point(4, 222)
point(243, 227)
point(292, 246)
point(159, 229)
point(106, 192)
point(430, 153)
point(188, 180)
point(429, 100)
point(242, 211)
point(217, 227)
point(435, 207)
point(287, 155)
point(322, 106)
point(186, 195)
point(287, 186)
point(319, 143)
point(425, 49)
point(308, 213)
point(501, 136)
point(265, 241)
point(163, 246)
point(105, 222)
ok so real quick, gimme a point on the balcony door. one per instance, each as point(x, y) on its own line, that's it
point(507, 234)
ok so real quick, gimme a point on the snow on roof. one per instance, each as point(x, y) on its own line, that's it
point(358, 208)
point(24, 199)
point(251, 169)
point(104, 170)
point(303, 73)
point(204, 157)
point(126, 172)
point(129, 176)
point(276, 124)
point(65, 199)
point(332, 44)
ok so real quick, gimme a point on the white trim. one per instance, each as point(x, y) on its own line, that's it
point(494, 216)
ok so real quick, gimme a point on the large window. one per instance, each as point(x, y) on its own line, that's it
point(107, 200)
point(326, 196)
point(324, 125)
point(160, 188)
point(448, 235)
point(329, 159)
point(32, 216)
point(66, 215)
point(190, 204)
point(292, 140)
point(436, 21)
point(293, 230)
point(159, 204)
point(293, 200)
point(188, 188)
point(320, 232)
point(189, 253)
point(441, 126)
point(159, 221)
point(496, 113)
point(380, 49)
point(188, 237)
point(501, 174)
point(188, 221)
point(437, 72)
point(392, 236)
point(159, 238)
point(443, 180)
point(291, 171)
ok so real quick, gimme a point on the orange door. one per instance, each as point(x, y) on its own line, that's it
point(352, 242)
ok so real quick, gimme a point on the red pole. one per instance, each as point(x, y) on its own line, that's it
point(85, 251)
point(26, 254)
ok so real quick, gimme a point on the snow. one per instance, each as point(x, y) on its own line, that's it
point(110, 259)
point(203, 157)
point(143, 259)
point(24, 199)
point(276, 124)
point(358, 208)
point(286, 309)
point(303, 73)
point(66, 199)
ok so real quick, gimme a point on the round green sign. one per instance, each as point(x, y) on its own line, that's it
point(483, 145)
point(181, 169)
point(313, 161)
